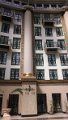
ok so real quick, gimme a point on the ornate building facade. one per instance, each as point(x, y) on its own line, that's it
point(34, 56)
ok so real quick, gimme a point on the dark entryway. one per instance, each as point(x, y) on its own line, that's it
point(41, 103)
point(13, 103)
point(57, 102)
point(1, 97)
point(67, 96)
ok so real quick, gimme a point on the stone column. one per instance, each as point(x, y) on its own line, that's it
point(49, 103)
point(64, 102)
point(5, 100)
point(5, 110)
point(29, 97)
point(28, 57)
point(65, 27)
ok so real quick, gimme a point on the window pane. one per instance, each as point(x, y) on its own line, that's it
point(16, 43)
point(38, 5)
point(59, 31)
point(40, 74)
point(38, 44)
point(3, 57)
point(39, 60)
point(4, 39)
point(14, 74)
point(2, 73)
point(8, 0)
point(61, 44)
point(51, 59)
point(37, 31)
point(64, 59)
point(37, 19)
point(15, 58)
point(5, 27)
point(53, 74)
point(18, 17)
point(57, 19)
point(48, 31)
point(65, 74)
point(50, 43)
point(17, 29)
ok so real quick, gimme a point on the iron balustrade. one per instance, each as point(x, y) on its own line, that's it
point(51, 46)
point(5, 44)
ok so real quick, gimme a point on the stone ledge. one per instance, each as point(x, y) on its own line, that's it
point(52, 81)
point(32, 79)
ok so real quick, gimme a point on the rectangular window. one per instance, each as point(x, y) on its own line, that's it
point(18, 17)
point(65, 74)
point(40, 74)
point(38, 5)
point(48, 31)
point(63, 59)
point(38, 45)
point(53, 74)
point(7, 18)
point(2, 73)
point(53, 5)
point(57, 19)
point(4, 39)
point(51, 59)
point(8, 0)
point(5, 27)
point(60, 5)
point(15, 58)
point(7, 13)
point(16, 43)
point(16, 2)
point(3, 57)
point(37, 31)
point(59, 31)
point(46, 5)
point(61, 44)
point(14, 74)
point(17, 29)
point(39, 60)
point(37, 19)
point(49, 43)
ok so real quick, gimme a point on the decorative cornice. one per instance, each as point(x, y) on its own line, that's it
point(10, 82)
point(28, 7)
point(45, 82)
point(23, 8)
point(44, 1)
point(55, 82)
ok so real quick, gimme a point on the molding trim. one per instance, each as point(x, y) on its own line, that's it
point(52, 81)
point(19, 82)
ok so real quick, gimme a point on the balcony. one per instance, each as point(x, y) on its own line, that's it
point(51, 46)
point(5, 44)
point(6, 12)
point(48, 22)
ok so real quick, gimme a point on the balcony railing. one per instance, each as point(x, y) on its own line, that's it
point(48, 21)
point(21, 4)
point(5, 44)
point(6, 12)
point(51, 46)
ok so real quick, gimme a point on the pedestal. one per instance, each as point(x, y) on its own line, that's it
point(29, 97)
point(6, 115)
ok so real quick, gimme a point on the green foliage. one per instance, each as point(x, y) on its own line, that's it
point(18, 90)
